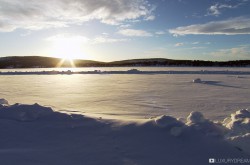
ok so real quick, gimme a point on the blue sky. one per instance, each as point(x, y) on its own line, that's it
point(109, 30)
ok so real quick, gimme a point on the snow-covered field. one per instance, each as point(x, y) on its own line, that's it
point(130, 119)
point(134, 96)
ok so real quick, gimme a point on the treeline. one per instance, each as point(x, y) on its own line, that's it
point(168, 62)
point(49, 62)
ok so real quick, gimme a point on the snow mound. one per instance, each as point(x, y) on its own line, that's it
point(197, 80)
point(238, 126)
point(195, 117)
point(238, 123)
point(174, 125)
point(197, 121)
point(21, 112)
point(167, 122)
point(3, 102)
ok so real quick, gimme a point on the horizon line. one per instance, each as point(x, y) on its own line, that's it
point(74, 59)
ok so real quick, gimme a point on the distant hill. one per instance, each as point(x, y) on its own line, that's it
point(50, 62)
point(41, 62)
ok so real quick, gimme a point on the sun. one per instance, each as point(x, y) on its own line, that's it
point(68, 47)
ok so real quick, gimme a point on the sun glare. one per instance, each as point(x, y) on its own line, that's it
point(68, 47)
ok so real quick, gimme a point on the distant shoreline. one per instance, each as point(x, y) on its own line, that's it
point(128, 67)
point(50, 62)
point(130, 71)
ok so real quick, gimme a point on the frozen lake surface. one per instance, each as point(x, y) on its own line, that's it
point(134, 96)
point(124, 117)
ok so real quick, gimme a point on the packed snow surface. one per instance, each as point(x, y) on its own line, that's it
point(136, 93)
point(38, 135)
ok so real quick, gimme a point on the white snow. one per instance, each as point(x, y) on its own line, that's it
point(21, 112)
point(38, 135)
point(167, 121)
point(176, 131)
point(138, 116)
point(195, 117)
point(239, 122)
point(241, 141)
point(132, 96)
point(3, 102)
point(239, 129)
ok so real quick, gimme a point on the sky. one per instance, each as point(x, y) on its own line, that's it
point(111, 30)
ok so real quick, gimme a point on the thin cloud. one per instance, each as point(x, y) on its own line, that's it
point(101, 40)
point(195, 43)
point(134, 33)
point(125, 26)
point(150, 18)
point(84, 40)
point(198, 47)
point(240, 51)
point(179, 44)
point(35, 15)
point(234, 26)
point(215, 10)
point(160, 32)
point(68, 37)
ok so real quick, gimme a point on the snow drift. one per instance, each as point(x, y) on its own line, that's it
point(239, 129)
point(34, 135)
